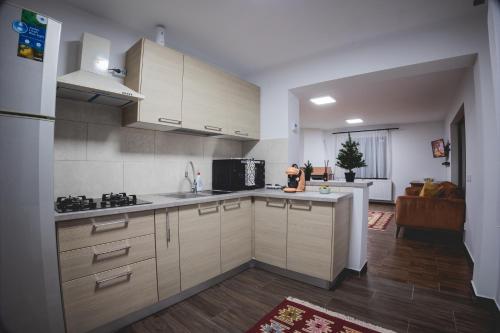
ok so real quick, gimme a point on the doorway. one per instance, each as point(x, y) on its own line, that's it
point(459, 151)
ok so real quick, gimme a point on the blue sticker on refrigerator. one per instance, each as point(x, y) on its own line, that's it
point(32, 29)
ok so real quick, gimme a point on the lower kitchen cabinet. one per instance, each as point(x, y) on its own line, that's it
point(236, 233)
point(309, 238)
point(167, 252)
point(270, 231)
point(97, 299)
point(199, 243)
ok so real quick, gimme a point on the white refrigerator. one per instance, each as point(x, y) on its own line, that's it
point(30, 299)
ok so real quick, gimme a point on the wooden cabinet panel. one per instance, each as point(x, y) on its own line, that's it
point(89, 260)
point(270, 231)
point(167, 252)
point(95, 300)
point(236, 233)
point(341, 236)
point(199, 243)
point(81, 233)
point(160, 71)
point(243, 101)
point(204, 105)
point(309, 240)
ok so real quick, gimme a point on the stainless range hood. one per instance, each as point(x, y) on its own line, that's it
point(92, 82)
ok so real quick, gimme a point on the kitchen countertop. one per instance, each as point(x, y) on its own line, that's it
point(340, 183)
point(163, 201)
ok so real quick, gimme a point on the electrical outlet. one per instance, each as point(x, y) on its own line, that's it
point(468, 178)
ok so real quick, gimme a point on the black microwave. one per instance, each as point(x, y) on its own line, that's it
point(238, 174)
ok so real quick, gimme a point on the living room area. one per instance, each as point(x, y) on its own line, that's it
point(416, 129)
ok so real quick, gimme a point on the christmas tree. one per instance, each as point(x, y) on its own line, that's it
point(349, 156)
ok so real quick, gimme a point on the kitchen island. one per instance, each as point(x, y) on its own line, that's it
point(119, 265)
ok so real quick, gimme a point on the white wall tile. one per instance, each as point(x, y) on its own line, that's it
point(139, 178)
point(221, 148)
point(103, 143)
point(91, 178)
point(178, 146)
point(70, 140)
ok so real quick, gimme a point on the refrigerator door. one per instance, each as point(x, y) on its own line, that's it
point(29, 281)
point(27, 86)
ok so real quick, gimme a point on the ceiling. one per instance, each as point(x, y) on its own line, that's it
point(249, 36)
point(380, 99)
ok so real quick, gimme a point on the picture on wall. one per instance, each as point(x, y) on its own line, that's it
point(438, 148)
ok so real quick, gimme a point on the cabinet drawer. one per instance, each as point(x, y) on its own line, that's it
point(98, 258)
point(103, 229)
point(94, 300)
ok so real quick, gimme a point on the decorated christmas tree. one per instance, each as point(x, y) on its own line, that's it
point(350, 157)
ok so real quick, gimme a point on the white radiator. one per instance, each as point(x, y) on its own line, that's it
point(380, 190)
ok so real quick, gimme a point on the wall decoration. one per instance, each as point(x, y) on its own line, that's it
point(438, 149)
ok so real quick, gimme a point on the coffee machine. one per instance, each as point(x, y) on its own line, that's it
point(296, 179)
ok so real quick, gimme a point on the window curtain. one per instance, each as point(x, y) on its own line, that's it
point(376, 150)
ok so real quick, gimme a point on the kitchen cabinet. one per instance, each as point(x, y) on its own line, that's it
point(219, 102)
point(309, 239)
point(167, 252)
point(236, 233)
point(199, 243)
point(95, 300)
point(270, 231)
point(204, 106)
point(156, 72)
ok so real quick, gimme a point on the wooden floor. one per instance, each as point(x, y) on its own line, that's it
point(419, 282)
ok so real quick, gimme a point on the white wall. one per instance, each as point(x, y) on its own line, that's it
point(293, 132)
point(410, 150)
point(412, 154)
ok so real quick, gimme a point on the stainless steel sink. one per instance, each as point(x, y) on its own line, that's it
point(189, 195)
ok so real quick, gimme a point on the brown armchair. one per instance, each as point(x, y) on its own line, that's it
point(445, 212)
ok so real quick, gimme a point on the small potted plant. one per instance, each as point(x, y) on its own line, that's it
point(308, 169)
point(350, 158)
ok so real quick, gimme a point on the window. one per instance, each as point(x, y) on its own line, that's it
point(375, 147)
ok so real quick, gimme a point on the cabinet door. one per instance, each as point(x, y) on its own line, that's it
point(167, 252)
point(244, 108)
point(161, 84)
point(199, 243)
point(236, 233)
point(270, 231)
point(309, 241)
point(203, 104)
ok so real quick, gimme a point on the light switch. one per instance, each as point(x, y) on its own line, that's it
point(468, 178)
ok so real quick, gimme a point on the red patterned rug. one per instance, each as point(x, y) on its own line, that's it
point(296, 316)
point(378, 220)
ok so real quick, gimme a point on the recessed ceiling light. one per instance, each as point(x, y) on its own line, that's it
point(354, 121)
point(323, 100)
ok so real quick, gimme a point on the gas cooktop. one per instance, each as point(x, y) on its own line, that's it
point(107, 200)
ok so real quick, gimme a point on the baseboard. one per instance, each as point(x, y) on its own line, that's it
point(469, 256)
point(485, 299)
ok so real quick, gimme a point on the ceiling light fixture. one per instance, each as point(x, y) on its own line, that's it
point(323, 100)
point(354, 121)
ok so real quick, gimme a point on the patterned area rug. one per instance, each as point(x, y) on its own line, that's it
point(379, 220)
point(296, 316)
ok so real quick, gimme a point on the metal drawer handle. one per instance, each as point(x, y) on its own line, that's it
point(95, 225)
point(241, 133)
point(213, 128)
point(271, 204)
point(300, 207)
point(125, 248)
point(232, 205)
point(208, 210)
point(168, 228)
point(169, 121)
point(98, 282)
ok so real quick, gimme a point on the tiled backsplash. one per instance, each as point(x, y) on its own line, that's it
point(95, 155)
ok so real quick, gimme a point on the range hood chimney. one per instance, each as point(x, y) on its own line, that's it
point(92, 82)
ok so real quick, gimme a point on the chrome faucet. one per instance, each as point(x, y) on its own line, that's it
point(194, 188)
